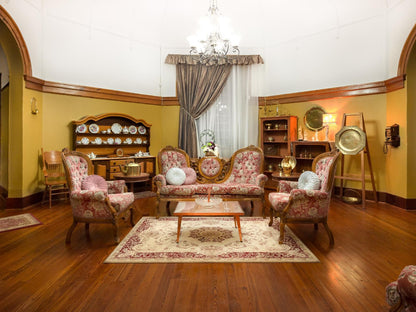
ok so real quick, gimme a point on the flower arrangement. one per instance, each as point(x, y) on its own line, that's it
point(209, 147)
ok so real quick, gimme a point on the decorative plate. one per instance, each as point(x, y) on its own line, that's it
point(314, 118)
point(85, 141)
point(82, 128)
point(110, 141)
point(350, 140)
point(129, 141)
point(132, 129)
point(142, 130)
point(116, 128)
point(119, 152)
point(139, 141)
point(93, 128)
point(98, 141)
point(117, 141)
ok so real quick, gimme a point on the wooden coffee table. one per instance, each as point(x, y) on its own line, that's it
point(226, 208)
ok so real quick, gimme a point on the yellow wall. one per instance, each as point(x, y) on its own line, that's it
point(411, 124)
point(396, 158)
point(170, 125)
point(374, 109)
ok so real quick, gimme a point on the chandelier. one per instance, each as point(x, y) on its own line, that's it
point(214, 39)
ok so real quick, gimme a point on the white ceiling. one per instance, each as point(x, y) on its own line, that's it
point(122, 44)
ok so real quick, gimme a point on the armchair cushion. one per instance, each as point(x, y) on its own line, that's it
point(175, 176)
point(121, 202)
point(190, 176)
point(94, 182)
point(309, 181)
point(279, 201)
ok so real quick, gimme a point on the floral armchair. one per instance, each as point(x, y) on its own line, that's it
point(401, 294)
point(239, 178)
point(293, 205)
point(97, 201)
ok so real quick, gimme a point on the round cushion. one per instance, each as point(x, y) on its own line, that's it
point(175, 176)
point(309, 181)
point(94, 182)
point(190, 176)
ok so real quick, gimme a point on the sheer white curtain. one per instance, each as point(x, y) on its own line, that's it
point(234, 116)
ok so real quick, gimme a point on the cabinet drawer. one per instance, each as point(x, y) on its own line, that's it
point(115, 169)
point(117, 162)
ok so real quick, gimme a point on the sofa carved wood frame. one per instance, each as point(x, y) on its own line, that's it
point(221, 175)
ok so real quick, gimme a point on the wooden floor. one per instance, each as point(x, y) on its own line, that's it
point(40, 273)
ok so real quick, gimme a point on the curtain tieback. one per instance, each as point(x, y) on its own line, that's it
point(188, 113)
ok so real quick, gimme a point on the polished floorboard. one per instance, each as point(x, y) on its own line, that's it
point(39, 272)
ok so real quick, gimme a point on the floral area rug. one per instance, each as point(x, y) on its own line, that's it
point(208, 239)
point(18, 222)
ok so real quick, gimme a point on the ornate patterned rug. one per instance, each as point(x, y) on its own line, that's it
point(210, 239)
point(18, 222)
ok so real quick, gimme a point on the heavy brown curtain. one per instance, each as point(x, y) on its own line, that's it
point(198, 86)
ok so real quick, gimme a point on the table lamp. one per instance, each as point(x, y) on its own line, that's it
point(328, 119)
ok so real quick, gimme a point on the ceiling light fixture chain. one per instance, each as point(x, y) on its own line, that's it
point(214, 39)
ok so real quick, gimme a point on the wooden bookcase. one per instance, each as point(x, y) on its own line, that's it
point(277, 134)
point(115, 139)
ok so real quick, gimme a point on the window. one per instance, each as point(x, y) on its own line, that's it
point(234, 116)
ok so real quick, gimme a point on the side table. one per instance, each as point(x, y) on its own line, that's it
point(277, 176)
point(143, 177)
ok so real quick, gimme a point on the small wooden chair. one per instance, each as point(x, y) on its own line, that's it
point(55, 179)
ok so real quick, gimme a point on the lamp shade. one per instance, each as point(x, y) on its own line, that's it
point(329, 118)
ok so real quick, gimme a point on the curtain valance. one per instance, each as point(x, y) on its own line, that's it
point(232, 59)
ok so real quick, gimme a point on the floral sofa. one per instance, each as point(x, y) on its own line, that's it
point(239, 178)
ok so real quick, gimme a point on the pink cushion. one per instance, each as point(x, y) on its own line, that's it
point(94, 182)
point(190, 176)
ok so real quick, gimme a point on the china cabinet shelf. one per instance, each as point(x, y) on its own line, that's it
point(107, 158)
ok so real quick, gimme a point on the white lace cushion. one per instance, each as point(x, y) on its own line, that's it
point(309, 181)
point(175, 176)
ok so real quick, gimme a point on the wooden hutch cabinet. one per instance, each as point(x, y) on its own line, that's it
point(306, 151)
point(279, 139)
point(277, 134)
point(112, 140)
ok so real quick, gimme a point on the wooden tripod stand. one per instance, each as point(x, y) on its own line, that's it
point(366, 151)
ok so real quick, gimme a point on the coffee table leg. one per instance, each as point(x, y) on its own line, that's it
point(179, 229)
point(239, 228)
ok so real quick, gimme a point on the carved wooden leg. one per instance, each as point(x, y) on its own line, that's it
point(167, 208)
point(263, 207)
point(271, 217)
point(331, 237)
point(44, 195)
point(252, 208)
point(70, 230)
point(131, 216)
point(157, 207)
point(282, 232)
point(315, 226)
point(50, 197)
point(115, 230)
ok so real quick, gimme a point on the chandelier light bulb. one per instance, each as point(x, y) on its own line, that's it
point(213, 39)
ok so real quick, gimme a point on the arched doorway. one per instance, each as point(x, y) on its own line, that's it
point(18, 63)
